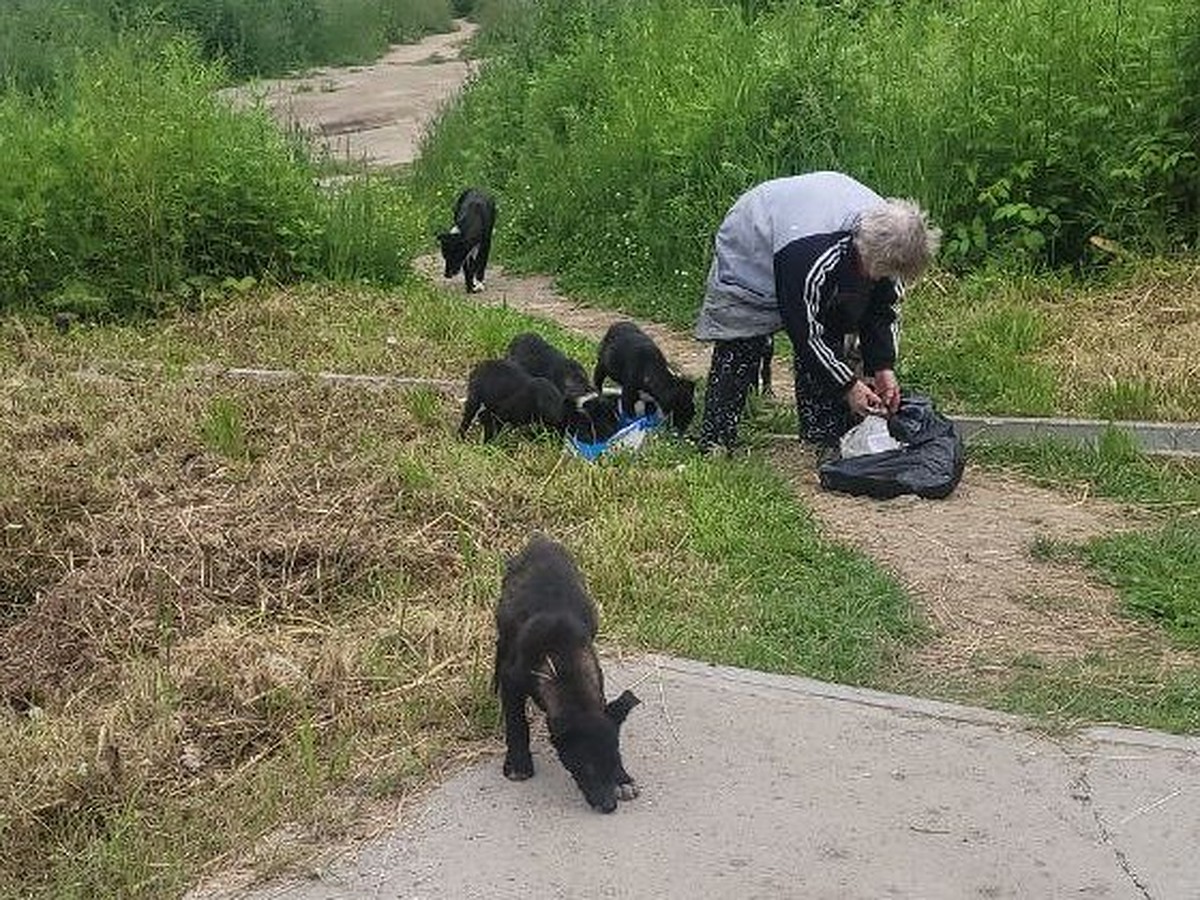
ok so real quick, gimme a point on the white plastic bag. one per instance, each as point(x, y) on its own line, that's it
point(868, 436)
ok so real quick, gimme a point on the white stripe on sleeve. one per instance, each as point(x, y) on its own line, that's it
point(813, 283)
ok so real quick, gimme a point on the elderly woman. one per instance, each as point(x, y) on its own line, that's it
point(822, 257)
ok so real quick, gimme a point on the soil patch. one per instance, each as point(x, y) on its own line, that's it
point(375, 112)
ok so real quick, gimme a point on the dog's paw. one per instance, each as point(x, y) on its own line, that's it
point(518, 769)
point(477, 287)
point(628, 790)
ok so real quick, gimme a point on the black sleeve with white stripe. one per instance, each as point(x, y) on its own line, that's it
point(804, 282)
point(879, 331)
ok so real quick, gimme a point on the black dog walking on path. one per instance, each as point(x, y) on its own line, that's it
point(466, 246)
point(545, 625)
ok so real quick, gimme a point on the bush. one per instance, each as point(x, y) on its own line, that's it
point(259, 37)
point(137, 183)
point(617, 133)
point(39, 39)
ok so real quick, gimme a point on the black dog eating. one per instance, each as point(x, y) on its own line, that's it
point(545, 625)
point(631, 358)
point(590, 416)
point(500, 393)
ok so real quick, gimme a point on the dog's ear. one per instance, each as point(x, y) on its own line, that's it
point(618, 709)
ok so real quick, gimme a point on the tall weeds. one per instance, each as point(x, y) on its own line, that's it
point(253, 37)
point(135, 183)
point(617, 133)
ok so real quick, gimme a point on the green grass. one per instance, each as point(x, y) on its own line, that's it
point(1156, 571)
point(222, 429)
point(39, 39)
point(979, 356)
point(1000, 342)
point(1157, 575)
point(1101, 689)
point(1114, 469)
point(135, 189)
point(617, 134)
point(794, 602)
point(312, 328)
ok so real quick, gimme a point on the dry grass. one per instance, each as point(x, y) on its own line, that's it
point(311, 327)
point(1131, 344)
point(176, 617)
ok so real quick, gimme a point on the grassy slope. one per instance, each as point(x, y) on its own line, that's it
point(283, 593)
point(617, 134)
point(280, 591)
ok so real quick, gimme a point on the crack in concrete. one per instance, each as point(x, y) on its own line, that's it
point(1081, 791)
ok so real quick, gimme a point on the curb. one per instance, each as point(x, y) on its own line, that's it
point(1160, 438)
point(900, 703)
point(1180, 439)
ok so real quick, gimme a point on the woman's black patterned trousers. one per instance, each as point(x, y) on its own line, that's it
point(735, 368)
point(822, 413)
point(821, 410)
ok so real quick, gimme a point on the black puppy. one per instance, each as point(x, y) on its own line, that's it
point(500, 393)
point(466, 246)
point(631, 358)
point(590, 416)
point(537, 356)
point(545, 624)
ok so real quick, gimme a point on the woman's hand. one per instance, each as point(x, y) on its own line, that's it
point(887, 388)
point(864, 401)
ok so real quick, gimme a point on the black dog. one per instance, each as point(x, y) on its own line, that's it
point(631, 358)
point(545, 624)
point(466, 246)
point(500, 393)
point(590, 416)
point(537, 356)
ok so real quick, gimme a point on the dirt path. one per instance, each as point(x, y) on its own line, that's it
point(377, 111)
point(967, 560)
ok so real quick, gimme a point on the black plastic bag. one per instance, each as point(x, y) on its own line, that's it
point(930, 464)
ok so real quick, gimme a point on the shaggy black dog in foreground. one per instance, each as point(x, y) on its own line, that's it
point(630, 357)
point(545, 624)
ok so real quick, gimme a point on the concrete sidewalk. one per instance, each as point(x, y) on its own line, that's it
point(762, 786)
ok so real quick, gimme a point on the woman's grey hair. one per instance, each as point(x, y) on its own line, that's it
point(895, 240)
